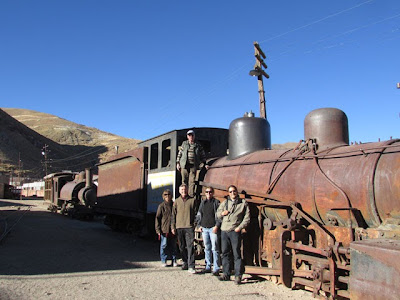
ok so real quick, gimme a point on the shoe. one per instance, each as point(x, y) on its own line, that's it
point(207, 270)
point(224, 277)
point(215, 273)
point(184, 267)
point(174, 264)
point(163, 265)
point(192, 271)
point(238, 279)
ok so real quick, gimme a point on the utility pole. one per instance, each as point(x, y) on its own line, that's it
point(259, 72)
point(45, 152)
point(19, 175)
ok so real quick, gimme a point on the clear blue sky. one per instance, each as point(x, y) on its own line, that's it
point(142, 68)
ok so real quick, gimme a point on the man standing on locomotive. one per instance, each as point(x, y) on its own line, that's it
point(190, 156)
point(209, 227)
point(235, 215)
point(182, 223)
point(168, 247)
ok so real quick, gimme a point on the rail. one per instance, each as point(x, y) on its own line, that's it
point(11, 220)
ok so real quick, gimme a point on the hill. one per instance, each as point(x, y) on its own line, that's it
point(71, 146)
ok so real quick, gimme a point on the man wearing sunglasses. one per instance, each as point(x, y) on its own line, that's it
point(235, 216)
point(209, 226)
point(168, 247)
point(190, 157)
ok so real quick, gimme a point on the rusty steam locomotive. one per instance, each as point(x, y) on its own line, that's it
point(325, 215)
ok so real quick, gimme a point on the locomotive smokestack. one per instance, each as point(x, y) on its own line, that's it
point(88, 172)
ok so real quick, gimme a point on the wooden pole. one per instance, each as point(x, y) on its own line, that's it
point(259, 55)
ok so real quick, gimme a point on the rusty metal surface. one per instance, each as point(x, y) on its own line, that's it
point(355, 183)
point(120, 183)
point(375, 272)
point(70, 190)
point(328, 126)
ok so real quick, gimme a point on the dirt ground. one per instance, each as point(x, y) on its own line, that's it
point(48, 256)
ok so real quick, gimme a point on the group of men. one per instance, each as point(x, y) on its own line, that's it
point(220, 223)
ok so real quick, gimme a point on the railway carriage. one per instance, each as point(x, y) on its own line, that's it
point(131, 183)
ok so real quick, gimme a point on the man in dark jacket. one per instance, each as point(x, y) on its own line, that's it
point(209, 227)
point(168, 247)
point(190, 157)
point(183, 216)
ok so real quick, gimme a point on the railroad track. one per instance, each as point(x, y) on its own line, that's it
point(9, 219)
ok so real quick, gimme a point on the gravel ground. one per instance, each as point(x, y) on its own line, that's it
point(48, 256)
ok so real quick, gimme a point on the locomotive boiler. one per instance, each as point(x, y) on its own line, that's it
point(325, 215)
point(71, 193)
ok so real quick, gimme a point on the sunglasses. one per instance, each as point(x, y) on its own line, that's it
point(209, 192)
point(233, 191)
point(166, 194)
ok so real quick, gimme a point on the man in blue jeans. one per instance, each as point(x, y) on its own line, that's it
point(209, 227)
point(235, 215)
point(168, 248)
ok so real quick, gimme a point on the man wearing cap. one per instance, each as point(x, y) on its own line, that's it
point(190, 156)
point(168, 247)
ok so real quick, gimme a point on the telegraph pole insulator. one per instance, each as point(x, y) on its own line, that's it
point(259, 72)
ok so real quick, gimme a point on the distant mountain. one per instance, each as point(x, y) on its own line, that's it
point(24, 133)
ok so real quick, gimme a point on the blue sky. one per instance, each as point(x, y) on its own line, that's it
point(142, 68)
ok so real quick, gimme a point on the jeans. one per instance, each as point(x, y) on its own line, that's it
point(231, 241)
point(186, 245)
point(211, 245)
point(168, 248)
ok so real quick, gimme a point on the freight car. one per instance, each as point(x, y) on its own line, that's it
point(130, 184)
point(325, 215)
point(71, 193)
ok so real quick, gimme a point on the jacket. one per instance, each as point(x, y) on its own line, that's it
point(199, 214)
point(183, 213)
point(163, 217)
point(239, 214)
point(199, 154)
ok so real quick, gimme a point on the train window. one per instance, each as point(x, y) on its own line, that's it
point(154, 156)
point(206, 146)
point(166, 153)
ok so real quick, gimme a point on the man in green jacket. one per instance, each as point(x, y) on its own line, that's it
point(190, 157)
point(235, 215)
point(182, 223)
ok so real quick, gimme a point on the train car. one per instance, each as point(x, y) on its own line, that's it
point(325, 215)
point(71, 193)
point(33, 189)
point(130, 184)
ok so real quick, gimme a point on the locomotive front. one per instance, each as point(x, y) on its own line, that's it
point(316, 208)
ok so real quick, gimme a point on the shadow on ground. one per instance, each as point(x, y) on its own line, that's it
point(47, 243)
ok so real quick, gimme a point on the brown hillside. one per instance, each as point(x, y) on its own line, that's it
point(72, 146)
